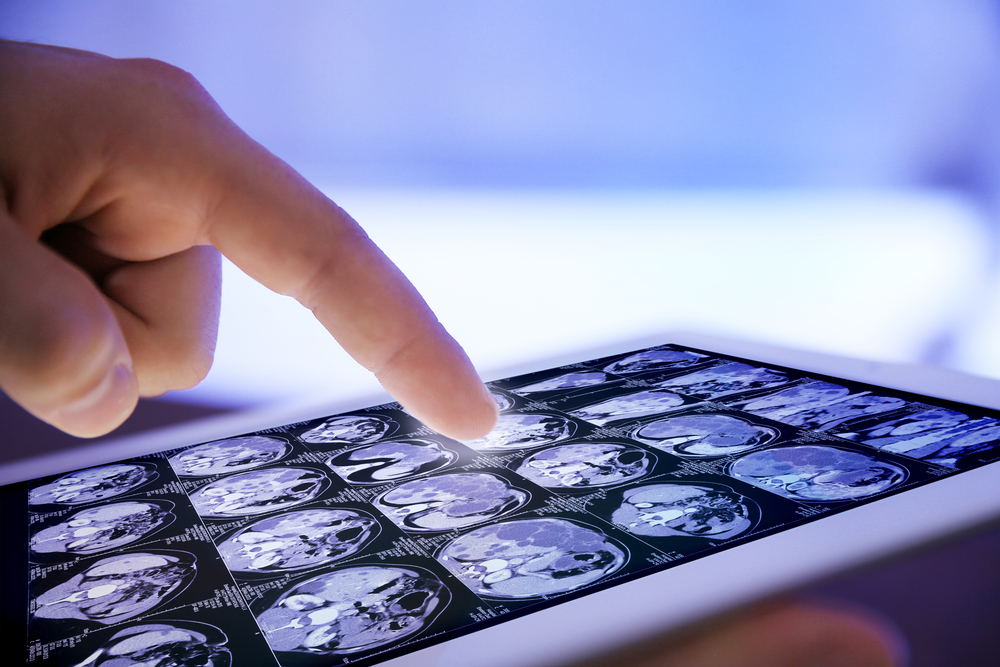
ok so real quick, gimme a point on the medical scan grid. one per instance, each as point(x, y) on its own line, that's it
point(355, 538)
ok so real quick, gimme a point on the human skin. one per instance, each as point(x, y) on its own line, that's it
point(122, 181)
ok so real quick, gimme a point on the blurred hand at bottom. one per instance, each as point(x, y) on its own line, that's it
point(776, 634)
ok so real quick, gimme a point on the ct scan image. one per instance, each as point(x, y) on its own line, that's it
point(353, 609)
point(939, 436)
point(92, 484)
point(503, 401)
point(574, 380)
point(820, 406)
point(525, 431)
point(817, 472)
point(171, 643)
point(230, 455)
point(629, 406)
point(298, 540)
point(103, 528)
point(524, 558)
point(704, 435)
point(585, 465)
point(686, 509)
point(117, 588)
point(654, 360)
point(354, 429)
point(450, 501)
point(259, 491)
point(391, 461)
point(723, 380)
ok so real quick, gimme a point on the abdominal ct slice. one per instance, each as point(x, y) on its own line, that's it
point(298, 540)
point(353, 609)
point(450, 501)
point(677, 509)
point(226, 456)
point(525, 431)
point(585, 465)
point(119, 587)
point(164, 644)
point(525, 558)
point(817, 472)
point(386, 462)
point(704, 435)
point(654, 360)
point(86, 486)
point(575, 380)
point(356, 429)
point(104, 527)
point(259, 491)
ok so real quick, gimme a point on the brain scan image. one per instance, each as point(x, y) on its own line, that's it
point(724, 380)
point(704, 435)
point(86, 486)
point(629, 406)
point(259, 491)
point(353, 609)
point(685, 510)
point(360, 430)
point(225, 456)
point(567, 381)
point(816, 473)
point(525, 431)
point(103, 527)
point(585, 465)
point(447, 502)
point(298, 540)
point(944, 447)
point(503, 402)
point(118, 588)
point(654, 360)
point(164, 644)
point(391, 461)
point(526, 558)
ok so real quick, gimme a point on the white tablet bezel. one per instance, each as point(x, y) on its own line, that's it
point(686, 593)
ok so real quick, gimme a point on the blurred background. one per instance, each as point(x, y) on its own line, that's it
point(555, 175)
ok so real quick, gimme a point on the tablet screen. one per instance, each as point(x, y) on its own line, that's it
point(359, 537)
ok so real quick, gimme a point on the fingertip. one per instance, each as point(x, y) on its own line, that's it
point(435, 381)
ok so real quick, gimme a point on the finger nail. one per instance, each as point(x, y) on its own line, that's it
point(102, 409)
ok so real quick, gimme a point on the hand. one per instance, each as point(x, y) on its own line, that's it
point(786, 634)
point(120, 179)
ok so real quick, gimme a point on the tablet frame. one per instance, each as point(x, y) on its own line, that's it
point(686, 593)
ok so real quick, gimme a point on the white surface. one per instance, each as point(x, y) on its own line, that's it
point(515, 276)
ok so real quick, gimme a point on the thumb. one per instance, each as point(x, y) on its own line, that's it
point(62, 355)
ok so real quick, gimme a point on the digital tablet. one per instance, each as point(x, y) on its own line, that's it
point(618, 496)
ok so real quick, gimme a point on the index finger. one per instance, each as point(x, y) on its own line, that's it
point(287, 235)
